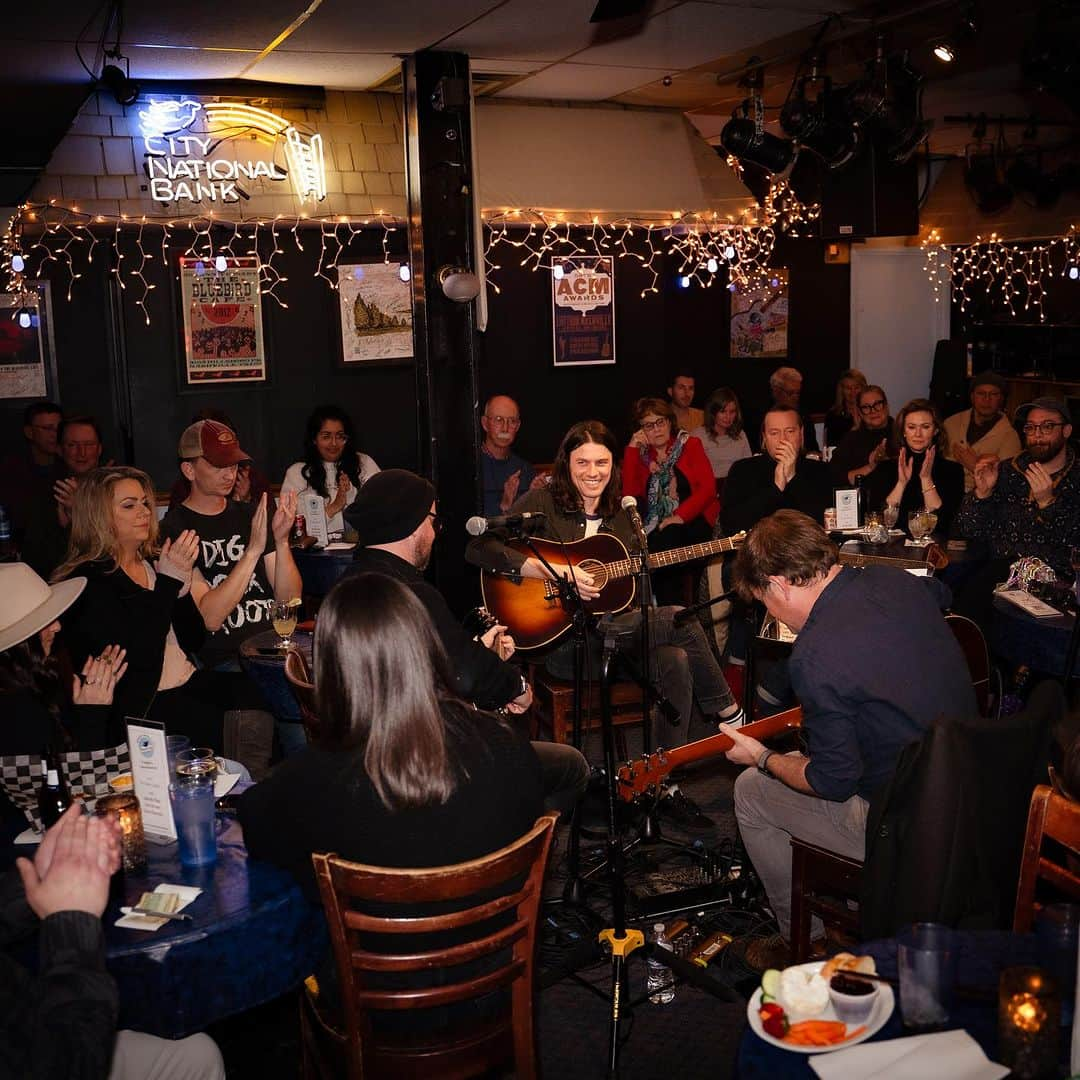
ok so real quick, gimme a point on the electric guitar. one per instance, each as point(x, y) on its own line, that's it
point(534, 611)
point(644, 775)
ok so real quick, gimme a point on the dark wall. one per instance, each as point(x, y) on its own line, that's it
point(652, 332)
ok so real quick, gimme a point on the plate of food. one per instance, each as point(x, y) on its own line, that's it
point(821, 1006)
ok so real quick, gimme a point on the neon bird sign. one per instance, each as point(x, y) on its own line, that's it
point(181, 165)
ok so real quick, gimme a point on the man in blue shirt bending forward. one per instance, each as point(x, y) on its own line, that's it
point(874, 665)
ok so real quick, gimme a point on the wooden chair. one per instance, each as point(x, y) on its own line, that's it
point(514, 876)
point(553, 706)
point(822, 883)
point(1056, 818)
point(985, 678)
point(299, 678)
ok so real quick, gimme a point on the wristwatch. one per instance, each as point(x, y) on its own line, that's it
point(763, 762)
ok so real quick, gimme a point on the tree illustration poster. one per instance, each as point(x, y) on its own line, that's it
point(376, 312)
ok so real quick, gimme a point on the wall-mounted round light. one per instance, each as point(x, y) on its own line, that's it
point(18, 263)
point(404, 272)
point(458, 283)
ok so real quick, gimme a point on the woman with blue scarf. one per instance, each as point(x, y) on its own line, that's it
point(669, 474)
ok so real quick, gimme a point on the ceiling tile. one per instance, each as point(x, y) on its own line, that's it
point(335, 71)
point(208, 23)
point(183, 64)
point(581, 82)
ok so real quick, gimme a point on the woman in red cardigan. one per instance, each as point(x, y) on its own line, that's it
point(667, 471)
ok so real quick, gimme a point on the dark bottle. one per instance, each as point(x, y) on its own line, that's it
point(53, 795)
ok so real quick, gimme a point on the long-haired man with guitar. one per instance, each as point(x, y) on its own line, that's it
point(588, 536)
point(874, 665)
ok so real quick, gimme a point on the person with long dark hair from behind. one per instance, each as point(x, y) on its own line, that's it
point(333, 465)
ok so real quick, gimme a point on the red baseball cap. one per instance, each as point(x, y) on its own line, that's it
point(213, 441)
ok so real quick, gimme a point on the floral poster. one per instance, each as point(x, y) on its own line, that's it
point(376, 312)
point(759, 318)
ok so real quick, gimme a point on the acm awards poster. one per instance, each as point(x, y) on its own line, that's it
point(223, 331)
point(583, 310)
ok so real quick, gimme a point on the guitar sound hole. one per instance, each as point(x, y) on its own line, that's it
point(595, 570)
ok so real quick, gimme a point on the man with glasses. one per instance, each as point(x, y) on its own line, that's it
point(504, 475)
point(1030, 504)
point(395, 516)
point(863, 449)
point(982, 430)
point(28, 472)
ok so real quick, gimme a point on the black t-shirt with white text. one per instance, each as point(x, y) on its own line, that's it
point(223, 539)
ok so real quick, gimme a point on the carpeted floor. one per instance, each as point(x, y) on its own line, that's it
point(694, 1036)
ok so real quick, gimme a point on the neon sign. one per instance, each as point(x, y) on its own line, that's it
point(182, 164)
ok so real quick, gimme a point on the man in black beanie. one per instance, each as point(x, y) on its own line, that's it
point(394, 515)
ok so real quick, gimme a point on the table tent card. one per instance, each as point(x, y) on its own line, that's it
point(150, 771)
point(311, 505)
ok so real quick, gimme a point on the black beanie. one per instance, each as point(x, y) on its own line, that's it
point(390, 506)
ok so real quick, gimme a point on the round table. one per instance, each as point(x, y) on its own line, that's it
point(253, 937)
point(320, 568)
point(1039, 642)
point(264, 663)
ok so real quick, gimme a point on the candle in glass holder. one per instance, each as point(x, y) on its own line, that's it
point(125, 808)
point(1029, 1015)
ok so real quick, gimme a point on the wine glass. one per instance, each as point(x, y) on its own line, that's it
point(917, 525)
point(284, 615)
point(931, 520)
point(890, 515)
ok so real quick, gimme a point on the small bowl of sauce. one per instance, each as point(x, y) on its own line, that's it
point(852, 998)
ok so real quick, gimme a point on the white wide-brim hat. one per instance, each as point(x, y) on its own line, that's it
point(30, 604)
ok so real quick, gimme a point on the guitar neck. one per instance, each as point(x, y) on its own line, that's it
point(659, 559)
point(718, 744)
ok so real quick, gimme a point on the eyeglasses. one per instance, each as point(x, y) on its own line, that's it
point(652, 425)
point(873, 406)
point(504, 421)
point(333, 436)
point(437, 522)
point(1045, 428)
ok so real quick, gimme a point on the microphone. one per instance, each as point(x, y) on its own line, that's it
point(629, 504)
point(477, 526)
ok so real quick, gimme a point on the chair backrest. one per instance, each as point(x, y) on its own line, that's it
point(299, 678)
point(504, 886)
point(1056, 818)
point(973, 645)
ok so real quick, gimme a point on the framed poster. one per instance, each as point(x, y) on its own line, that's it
point(759, 318)
point(583, 310)
point(27, 358)
point(376, 313)
point(223, 330)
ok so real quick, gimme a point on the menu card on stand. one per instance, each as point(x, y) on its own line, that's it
point(311, 505)
point(847, 508)
point(150, 771)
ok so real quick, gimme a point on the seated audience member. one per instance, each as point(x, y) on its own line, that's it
point(581, 501)
point(780, 478)
point(404, 773)
point(864, 448)
point(857, 715)
point(984, 429)
point(60, 1021)
point(251, 483)
point(681, 395)
point(503, 474)
point(333, 464)
point(1028, 505)
point(395, 517)
point(921, 475)
point(241, 568)
point(785, 388)
point(843, 415)
point(721, 435)
point(143, 608)
point(666, 470)
point(49, 521)
point(28, 473)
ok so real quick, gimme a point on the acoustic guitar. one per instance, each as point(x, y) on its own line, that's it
point(536, 614)
point(644, 775)
point(934, 557)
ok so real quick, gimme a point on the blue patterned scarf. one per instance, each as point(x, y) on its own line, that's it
point(662, 493)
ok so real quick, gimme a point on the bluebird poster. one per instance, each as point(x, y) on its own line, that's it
point(583, 310)
point(759, 318)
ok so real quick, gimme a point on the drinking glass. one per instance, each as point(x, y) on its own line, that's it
point(890, 515)
point(193, 814)
point(197, 766)
point(917, 524)
point(931, 521)
point(174, 745)
point(926, 964)
point(284, 615)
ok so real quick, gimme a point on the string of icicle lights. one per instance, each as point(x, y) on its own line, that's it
point(1013, 273)
point(67, 241)
point(702, 244)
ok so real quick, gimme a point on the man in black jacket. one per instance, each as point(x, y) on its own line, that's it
point(61, 1022)
point(394, 515)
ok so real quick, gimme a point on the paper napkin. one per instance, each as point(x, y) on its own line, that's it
point(954, 1054)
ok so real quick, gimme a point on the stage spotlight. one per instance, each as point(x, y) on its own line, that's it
point(119, 85)
point(983, 180)
point(945, 52)
point(741, 139)
point(821, 127)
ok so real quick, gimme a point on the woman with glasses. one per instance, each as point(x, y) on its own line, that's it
point(864, 448)
point(668, 473)
point(920, 476)
point(333, 464)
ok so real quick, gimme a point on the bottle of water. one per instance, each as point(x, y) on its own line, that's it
point(660, 982)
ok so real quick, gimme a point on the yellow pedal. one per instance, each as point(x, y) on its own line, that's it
point(624, 946)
